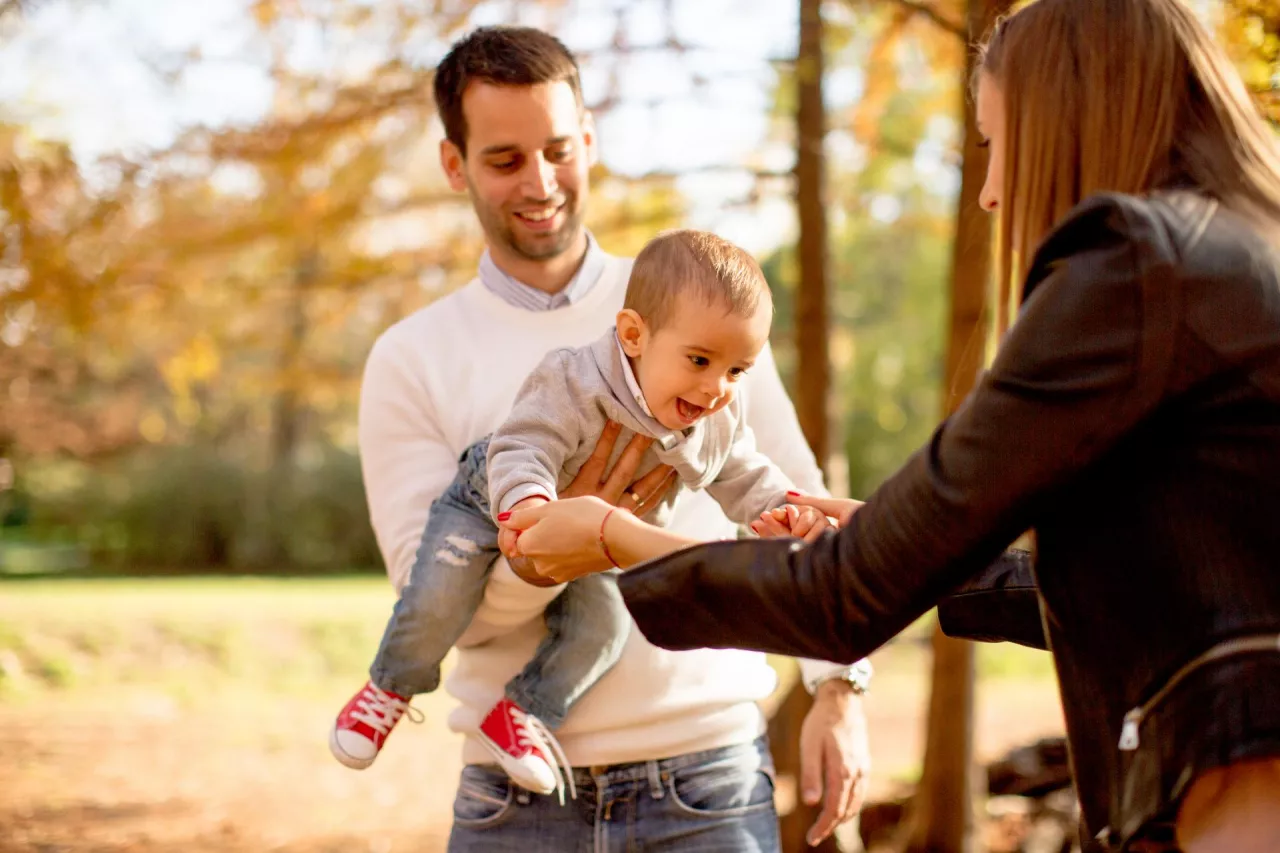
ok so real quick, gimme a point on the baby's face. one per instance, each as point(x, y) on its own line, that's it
point(688, 369)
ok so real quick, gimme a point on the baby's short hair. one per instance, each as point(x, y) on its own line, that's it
point(696, 262)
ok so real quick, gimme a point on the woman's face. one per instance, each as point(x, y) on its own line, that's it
point(990, 118)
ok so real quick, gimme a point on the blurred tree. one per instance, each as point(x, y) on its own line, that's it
point(890, 262)
point(221, 295)
point(60, 264)
point(944, 811)
point(813, 375)
point(1250, 30)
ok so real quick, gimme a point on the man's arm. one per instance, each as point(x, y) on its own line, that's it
point(772, 418)
point(835, 759)
point(528, 452)
point(407, 463)
point(404, 458)
point(748, 483)
point(1087, 362)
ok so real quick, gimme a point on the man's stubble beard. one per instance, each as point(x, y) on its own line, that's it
point(497, 229)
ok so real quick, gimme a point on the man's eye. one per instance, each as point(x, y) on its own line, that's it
point(504, 165)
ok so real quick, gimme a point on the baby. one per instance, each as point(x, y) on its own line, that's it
point(696, 316)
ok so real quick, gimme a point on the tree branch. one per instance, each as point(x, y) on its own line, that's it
point(705, 169)
point(936, 17)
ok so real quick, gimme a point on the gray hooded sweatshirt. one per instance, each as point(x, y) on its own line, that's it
point(562, 408)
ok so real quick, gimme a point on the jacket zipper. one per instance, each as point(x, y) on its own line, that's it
point(1228, 648)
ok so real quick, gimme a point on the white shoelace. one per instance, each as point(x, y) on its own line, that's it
point(380, 710)
point(532, 732)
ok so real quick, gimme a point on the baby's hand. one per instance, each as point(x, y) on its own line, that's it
point(507, 543)
point(809, 522)
point(773, 523)
point(800, 521)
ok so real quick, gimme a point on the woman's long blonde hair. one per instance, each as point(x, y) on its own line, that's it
point(1118, 95)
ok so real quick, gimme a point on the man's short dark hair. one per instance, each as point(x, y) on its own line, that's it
point(500, 56)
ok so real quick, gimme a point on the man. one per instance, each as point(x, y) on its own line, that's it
point(666, 749)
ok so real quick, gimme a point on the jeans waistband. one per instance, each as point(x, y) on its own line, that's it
point(610, 774)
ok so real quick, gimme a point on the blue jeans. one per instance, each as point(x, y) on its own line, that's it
point(587, 624)
point(715, 801)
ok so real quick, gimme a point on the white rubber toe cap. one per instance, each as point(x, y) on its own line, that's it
point(352, 749)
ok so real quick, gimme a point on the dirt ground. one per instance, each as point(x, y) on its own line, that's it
point(139, 772)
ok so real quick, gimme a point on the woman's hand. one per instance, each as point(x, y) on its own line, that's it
point(841, 509)
point(507, 537)
point(798, 518)
point(562, 538)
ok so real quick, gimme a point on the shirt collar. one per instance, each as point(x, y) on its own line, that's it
point(517, 293)
point(629, 375)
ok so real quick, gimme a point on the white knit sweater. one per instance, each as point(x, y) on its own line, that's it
point(447, 375)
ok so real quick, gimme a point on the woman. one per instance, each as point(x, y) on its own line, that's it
point(1131, 418)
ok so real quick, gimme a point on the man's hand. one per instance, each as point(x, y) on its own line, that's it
point(618, 486)
point(835, 757)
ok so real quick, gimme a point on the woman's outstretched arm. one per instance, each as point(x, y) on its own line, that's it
point(1087, 361)
point(572, 537)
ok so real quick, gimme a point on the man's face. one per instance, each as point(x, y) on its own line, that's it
point(528, 152)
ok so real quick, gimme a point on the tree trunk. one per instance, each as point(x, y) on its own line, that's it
point(813, 374)
point(286, 418)
point(813, 377)
point(287, 415)
point(944, 810)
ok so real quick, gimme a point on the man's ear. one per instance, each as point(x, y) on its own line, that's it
point(454, 166)
point(589, 138)
point(632, 332)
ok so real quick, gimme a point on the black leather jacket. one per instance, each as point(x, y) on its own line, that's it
point(1132, 418)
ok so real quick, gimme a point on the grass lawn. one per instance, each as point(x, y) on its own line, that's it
point(281, 635)
point(191, 713)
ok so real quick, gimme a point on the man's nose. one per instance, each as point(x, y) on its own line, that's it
point(540, 178)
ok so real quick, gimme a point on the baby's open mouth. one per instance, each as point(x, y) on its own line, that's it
point(688, 411)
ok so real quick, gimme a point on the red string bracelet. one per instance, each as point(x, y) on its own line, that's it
point(603, 546)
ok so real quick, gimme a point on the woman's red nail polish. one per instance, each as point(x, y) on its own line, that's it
point(503, 516)
point(793, 494)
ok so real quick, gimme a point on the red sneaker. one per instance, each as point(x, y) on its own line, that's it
point(364, 724)
point(526, 750)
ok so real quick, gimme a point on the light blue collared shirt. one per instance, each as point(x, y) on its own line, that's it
point(521, 295)
point(629, 376)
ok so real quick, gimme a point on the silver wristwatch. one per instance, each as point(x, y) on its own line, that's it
point(857, 676)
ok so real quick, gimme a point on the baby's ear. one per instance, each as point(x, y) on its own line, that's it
point(633, 333)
